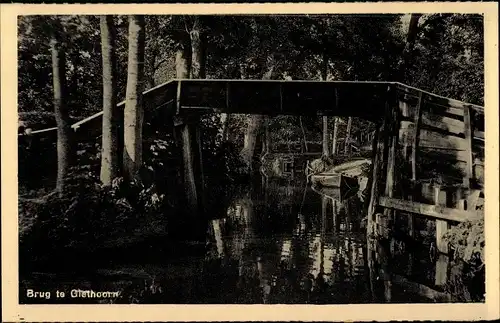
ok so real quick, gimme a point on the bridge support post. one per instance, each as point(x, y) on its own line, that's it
point(376, 176)
point(189, 140)
point(393, 162)
point(383, 171)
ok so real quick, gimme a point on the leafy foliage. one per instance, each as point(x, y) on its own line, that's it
point(467, 239)
point(449, 57)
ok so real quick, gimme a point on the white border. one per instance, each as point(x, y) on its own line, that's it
point(12, 311)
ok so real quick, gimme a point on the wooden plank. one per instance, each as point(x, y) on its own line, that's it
point(441, 100)
point(446, 109)
point(434, 211)
point(446, 124)
point(433, 138)
point(468, 131)
point(436, 108)
point(416, 138)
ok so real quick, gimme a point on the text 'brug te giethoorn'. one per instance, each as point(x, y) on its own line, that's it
point(74, 293)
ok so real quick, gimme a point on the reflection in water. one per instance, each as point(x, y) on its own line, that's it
point(295, 244)
point(292, 245)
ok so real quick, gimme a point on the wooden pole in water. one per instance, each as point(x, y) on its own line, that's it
point(371, 267)
point(441, 226)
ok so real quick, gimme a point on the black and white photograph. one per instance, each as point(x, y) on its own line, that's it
point(307, 159)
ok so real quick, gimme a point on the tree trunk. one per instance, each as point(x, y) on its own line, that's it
point(197, 50)
point(324, 77)
point(254, 125)
point(61, 113)
point(110, 166)
point(335, 132)
point(306, 148)
point(267, 137)
point(347, 141)
point(411, 36)
point(250, 139)
point(133, 115)
point(226, 117)
point(150, 82)
point(225, 125)
point(182, 64)
point(326, 146)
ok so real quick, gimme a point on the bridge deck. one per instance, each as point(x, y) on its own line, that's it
point(286, 97)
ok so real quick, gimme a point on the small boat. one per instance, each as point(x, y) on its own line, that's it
point(335, 180)
point(334, 193)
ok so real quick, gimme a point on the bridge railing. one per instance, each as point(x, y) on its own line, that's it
point(429, 162)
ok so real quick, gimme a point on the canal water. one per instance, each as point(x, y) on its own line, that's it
point(277, 242)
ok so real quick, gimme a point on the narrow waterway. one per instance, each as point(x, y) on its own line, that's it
point(279, 241)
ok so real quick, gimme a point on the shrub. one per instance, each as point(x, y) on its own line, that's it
point(467, 239)
point(87, 215)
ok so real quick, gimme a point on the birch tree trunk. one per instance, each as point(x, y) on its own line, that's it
point(250, 139)
point(335, 132)
point(133, 115)
point(61, 113)
point(326, 146)
point(182, 64)
point(304, 138)
point(347, 140)
point(254, 125)
point(197, 50)
point(110, 166)
point(324, 77)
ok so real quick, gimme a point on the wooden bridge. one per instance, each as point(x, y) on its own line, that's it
point(415, 128)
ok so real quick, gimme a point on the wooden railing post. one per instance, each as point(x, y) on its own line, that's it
point(468, 132)
point(416, 137)
point(414, 155)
